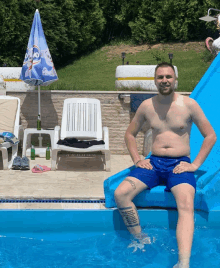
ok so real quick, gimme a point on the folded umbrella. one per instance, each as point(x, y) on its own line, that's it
point(38, 68)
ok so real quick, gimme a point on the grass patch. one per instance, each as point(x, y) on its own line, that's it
point(97, 70)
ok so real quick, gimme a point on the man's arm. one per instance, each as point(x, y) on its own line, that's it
point(132, 131)
point(207, 132)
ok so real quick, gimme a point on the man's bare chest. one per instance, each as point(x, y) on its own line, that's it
point(174, 119)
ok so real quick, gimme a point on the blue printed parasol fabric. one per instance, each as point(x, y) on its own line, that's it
point(38, 68)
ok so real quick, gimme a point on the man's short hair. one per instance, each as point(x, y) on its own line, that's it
point(164, 64)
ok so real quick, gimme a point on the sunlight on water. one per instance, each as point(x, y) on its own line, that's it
point(107, 250)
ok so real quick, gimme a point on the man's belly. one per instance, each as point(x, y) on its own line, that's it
point(171, 152)
point(173, 146)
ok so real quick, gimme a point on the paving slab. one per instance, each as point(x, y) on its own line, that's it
point(74, 179)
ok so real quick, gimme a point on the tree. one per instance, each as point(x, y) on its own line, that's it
point(170, 20)
point(70, 27)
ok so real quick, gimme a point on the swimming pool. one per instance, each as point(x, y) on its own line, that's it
point(98, 238)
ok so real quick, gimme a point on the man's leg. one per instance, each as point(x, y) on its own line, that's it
point(184, 194)
point(124, 195)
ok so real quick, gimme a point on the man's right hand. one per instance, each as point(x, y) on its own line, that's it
point(144, 164)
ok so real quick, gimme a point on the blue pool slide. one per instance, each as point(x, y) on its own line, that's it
point(207, 198)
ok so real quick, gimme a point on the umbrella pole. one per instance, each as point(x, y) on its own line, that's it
point(39, 100)
point(39, 112)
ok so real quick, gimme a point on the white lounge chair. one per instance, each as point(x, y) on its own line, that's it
point(9, 122)
point(82, 120)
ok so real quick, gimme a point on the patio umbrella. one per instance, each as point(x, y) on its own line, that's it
point(38, 68)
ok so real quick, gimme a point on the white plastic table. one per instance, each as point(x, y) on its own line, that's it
point(40, 151)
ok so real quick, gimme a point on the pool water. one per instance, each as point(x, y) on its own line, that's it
point(105, 250)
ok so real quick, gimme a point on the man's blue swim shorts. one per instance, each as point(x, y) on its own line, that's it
point(162, 172)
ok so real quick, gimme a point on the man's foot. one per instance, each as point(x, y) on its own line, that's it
point(183, 261)
point(136, 245)
point(139, 240)
point(142, 238)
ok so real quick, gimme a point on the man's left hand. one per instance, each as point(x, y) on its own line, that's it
point(184, 167)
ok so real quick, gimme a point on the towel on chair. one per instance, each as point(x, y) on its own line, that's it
point(73, 142)
point(8, 137)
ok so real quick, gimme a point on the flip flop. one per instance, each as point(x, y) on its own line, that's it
point(40, 169)
point(16, 163)
point(25, 163)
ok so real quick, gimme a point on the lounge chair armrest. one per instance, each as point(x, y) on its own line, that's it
point(56, 135)
point(19, 132)
point(106, 137)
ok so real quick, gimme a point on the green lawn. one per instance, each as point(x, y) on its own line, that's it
point(97, 71)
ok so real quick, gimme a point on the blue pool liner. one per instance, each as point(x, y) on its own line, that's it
point(207, 198)
point(15, 222)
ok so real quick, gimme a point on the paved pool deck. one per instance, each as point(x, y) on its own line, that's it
point(75, 178)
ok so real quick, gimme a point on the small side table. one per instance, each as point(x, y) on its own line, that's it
point(26, 151)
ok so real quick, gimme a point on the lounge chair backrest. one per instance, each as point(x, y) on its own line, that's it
point(9, 114)
point(81, 119)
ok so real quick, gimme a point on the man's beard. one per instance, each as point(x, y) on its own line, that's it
point(165, 92)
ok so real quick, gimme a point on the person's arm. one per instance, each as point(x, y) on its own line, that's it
point(207, 131)
point(132, 131)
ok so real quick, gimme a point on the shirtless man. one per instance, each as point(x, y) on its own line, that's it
point(170, 116)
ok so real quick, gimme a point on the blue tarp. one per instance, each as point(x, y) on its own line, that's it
point(137, 99)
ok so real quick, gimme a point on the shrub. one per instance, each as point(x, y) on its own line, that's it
point(70, 27)
point(170, 20)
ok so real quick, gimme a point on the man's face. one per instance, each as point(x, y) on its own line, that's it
point(165, 80)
